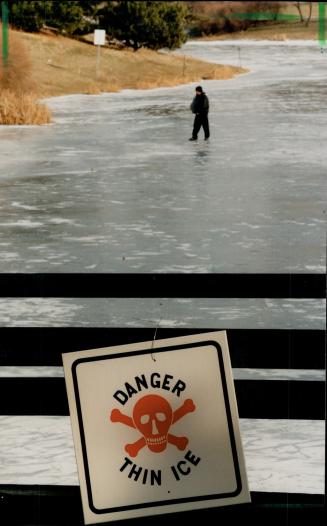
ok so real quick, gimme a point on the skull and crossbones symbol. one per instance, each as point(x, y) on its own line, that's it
point(152, 417)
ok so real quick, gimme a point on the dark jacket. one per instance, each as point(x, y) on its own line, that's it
point(200, 104)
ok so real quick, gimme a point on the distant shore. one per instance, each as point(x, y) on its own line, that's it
point(280, 32)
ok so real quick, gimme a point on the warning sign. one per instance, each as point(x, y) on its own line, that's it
point(155, 427)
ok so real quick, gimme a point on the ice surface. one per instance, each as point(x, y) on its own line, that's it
point(114, 185)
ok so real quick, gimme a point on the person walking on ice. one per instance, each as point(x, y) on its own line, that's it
point(200, 107)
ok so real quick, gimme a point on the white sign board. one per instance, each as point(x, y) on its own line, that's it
point(99, 37)
point(155, 427)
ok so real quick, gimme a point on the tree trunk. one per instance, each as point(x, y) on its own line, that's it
point(298, 6)
point(310, 14)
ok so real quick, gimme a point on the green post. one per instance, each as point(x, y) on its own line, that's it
point(322, 23)
point(5, 47)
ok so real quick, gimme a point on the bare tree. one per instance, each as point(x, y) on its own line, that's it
point(298, 6)
point(310, 14)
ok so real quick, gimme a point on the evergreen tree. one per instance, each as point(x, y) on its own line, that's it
point(141, 23)
point(138, 23)
point(66, 16)
point(28, 16)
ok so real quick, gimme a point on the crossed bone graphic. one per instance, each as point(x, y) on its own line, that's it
point(153, 417)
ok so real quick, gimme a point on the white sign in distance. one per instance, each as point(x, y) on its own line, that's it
point(155, 427)
point(99, 37)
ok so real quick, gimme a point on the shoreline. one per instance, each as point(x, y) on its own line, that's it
point(274, 32)
point(62, 66)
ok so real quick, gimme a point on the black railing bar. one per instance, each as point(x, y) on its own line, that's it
point(92, 285)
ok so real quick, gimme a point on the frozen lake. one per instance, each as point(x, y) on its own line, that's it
point(114, 185)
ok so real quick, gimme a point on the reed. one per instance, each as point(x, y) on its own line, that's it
point(22, 108)
point(18, 103)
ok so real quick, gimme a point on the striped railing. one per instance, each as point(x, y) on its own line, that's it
point(279, 380)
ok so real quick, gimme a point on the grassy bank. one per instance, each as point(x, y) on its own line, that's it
point(63, 66)
point(45, 65)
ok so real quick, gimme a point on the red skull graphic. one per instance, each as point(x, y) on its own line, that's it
point(153, 417)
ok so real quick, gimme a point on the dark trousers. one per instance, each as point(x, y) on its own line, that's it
point(201, 120)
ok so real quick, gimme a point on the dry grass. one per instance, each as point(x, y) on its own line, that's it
point(22, 108)
point(18, 104)
point(93, 90)
point(17, 75)
point(63, 66)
